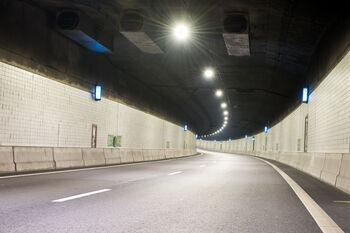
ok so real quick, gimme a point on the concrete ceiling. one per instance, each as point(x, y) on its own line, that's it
point(258, 88)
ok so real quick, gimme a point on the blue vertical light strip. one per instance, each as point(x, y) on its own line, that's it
point(229, 139)
point(266, 129)
point(196, 135)
point(185, 127)
point(305, 97)
point(98, 92)
point(246, 136)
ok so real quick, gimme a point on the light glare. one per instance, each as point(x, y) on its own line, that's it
point(181, 32)
point(218, 93)
point(208, 73)
point(223, 105)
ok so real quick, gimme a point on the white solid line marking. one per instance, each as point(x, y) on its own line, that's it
point(202, 165)
point(81, 195)
point(325, 223)
point(174, 173)
point(94, 168)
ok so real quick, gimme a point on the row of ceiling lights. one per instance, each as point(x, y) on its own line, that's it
point(181, 33)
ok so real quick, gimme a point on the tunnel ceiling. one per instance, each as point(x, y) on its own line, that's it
point(259, 88)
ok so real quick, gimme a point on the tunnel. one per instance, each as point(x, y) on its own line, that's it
point(189, 116)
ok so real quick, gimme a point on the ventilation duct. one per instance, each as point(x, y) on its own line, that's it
point(131, 26)
point(79, 28)
point(236, 34)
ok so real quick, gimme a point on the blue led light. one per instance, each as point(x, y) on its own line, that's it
point(253, 138)
point(185, 127)
point(305, 97)
point(196, 135)
point(246, 136)
point(98, 92)
point(266, 129)
point(229, 139)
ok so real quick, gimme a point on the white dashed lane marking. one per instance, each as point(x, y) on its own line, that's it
point(81, 195)
point(174, 173)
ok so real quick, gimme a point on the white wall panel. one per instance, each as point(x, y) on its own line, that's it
point(36, 111)
point(328, 114)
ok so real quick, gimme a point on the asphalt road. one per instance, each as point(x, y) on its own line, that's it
point(207, 193)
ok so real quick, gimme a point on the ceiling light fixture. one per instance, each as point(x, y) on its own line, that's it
point(219, 93)
point(181, 32)
point(223, 105)
point(208, 73)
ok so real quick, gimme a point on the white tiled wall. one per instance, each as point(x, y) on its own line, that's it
point(36, 111)
point(328, 112)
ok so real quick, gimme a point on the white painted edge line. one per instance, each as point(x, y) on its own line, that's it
point(81, 195)
point(95, 168)
point(174, 173)
point(326, 223)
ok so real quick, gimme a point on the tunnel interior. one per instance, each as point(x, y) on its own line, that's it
point(128, 48)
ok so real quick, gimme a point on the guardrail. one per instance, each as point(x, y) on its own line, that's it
point(14, 159)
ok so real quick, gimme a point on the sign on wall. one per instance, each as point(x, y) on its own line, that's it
point(110, 140)
point(119, 141)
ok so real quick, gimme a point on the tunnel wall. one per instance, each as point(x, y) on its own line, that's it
point(45, 123)
point(314, 138)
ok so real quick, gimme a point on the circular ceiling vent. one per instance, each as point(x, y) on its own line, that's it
point(131, 21)
point(67, 20)
point(235, 23)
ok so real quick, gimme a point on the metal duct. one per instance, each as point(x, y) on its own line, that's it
point(78, 27)
point(236, 34)
point(131, 26)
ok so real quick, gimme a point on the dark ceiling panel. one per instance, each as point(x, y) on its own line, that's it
point(283, 37)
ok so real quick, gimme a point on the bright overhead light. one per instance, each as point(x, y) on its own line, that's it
point(208, 73)
point(223, 105)
point(181, 32)
point(226, 118)
point(225, 113)
point(219, 93)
